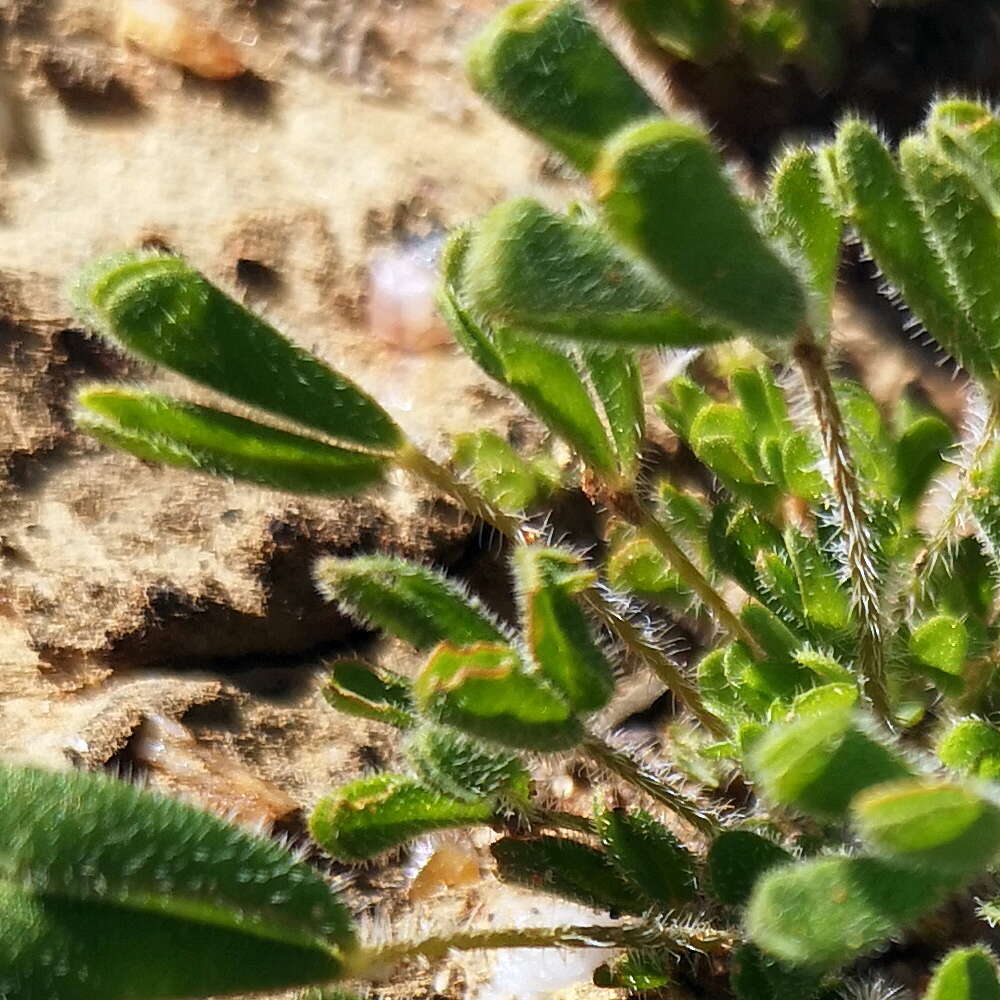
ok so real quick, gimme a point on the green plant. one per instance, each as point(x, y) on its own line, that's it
point(842, 636)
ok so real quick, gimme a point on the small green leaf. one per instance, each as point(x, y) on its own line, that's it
point(801, 216)
point(163, 310)
point(414, 602)
point(566, 868)
point(969, 134)
point(819, 762)
point(462, 768)
point(929, 824)
point(530, 268)
point(544, 66)
point(825, 912)
point(560, 640)
point(369, 692)
point(972, 747)
point(659, 866)
point(941, 643)
point(826, 601)
point(826, 668)
point(108, 892)
point(501, 475)
point(892, 229)
point(722, 437)
point(919, 454)
point(736, 860)
point(697, 30)
point(635, 971)
point(484, 690)
point(373, 815)
point(665, 195)
point(755, 976)
point(160, 429)
point(636, 566)
point(966, 974)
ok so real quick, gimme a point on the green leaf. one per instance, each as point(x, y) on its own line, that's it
point(892, 229)
point(530, 268)
point(368, 817)
point(160, 429)
point(762, 402)
point(464, 769)
point(369, 692)
point(736, 860)
point(826, 601)
point(755, 976)
point(163, 310)
point(635, 971)
point(919, 454)
point(500, 474)
point(411, 601)
point(941, 643)
point(682, 401)
point(972, 747)
point(617, 382)
point(541, 64)
point(966, 974)
point(636, 566)
point(659, 866)
point(825, 912)
point(665, 195)
point(560, 640)
point(697, 30)
point(565, 868)
point(963, 230)
point(721, 436)
point(929, 824)
point(969, 134)
point(485, 691)
point(819, 762)
point(108, 892)
point(801, 217)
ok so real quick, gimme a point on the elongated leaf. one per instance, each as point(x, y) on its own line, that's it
point(370, 692)
point(891, 227)
point(374, 815)
point(160, 429)
point(546, 380)
point(484, 690)
point(665, 195)
point(737, 859)
point(530, 268)
point(929, 824)
point(659, 866)
point(560, 639)
point(617, 382)
point(565, 868)
point(163, 310)
point(801, 216)
point(969, 134)
point(110, 892)
point(963, 230)
point(414, 602)
point(462, 768)
point(825, 912)
point(819, 762)
point(543, 65)
point(966, 974)
point(697, 30)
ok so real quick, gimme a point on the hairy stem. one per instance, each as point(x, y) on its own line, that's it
point(706, 940)
point(630, 770)
point(646, 650)
point(859, 549)
point(947, 529)
point(639, 515)
point(417, 463)
point(556, 819)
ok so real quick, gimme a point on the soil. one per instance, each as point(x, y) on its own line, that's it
point(165, 626)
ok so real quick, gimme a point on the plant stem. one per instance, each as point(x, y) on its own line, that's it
point(625, 767)
point(414, 461)
point(646, 650)
point(946, 531)
point(860, 552)
point(417, 463)
point(639, 515)
point(706, 940)
point(556, 819)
